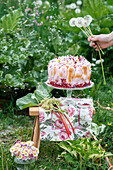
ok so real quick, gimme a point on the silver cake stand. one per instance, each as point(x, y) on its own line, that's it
point(69, 90)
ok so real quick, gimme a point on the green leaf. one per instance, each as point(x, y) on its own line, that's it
point(69, 158)
point(26, 101)
point(95, 8)
point(8, 79)
point(66, 147)
point(26, 42)
point(42, 92)
point(32, 99)
point(9, 21)
point(1, 73)
point(108, 154)
point(4, 58)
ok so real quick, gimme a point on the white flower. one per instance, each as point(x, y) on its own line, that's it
point(72, 22)
point(20, 156)
point(29, 143)
point(77, 11)
point(29, 151)
point(39, 3)
point(99, 61)
point(79, 22)
point(20, 149)
point(26, 154)
point(33, 147)
point(12, 149)
point(12, 154)
point(18, 145)
point(16, 148)
point(47, 3)
point(37, 150)
point(73, 6)
point(23, 143)
point(67, 6)
point(93, 64)
point(23, 158)
point(22, 152)
point(88, 18)
point(85, 23)
point(26, 150)
point(79, 2)
point(94, 59)
point(35, 154)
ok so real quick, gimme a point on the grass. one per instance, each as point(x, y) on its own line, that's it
point(19, 127)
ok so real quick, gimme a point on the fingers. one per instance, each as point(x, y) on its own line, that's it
point(93, 38)
point(93, 44)
point(89, 38)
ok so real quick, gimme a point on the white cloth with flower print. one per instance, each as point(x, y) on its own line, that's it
point(52, 128)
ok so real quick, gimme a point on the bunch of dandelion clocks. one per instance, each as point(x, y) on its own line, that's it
point(84, 24)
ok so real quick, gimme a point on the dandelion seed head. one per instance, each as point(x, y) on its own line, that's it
point(77, 11)
point(79, 22)
point(73, 6)
point(79, 2)
point(88, 18)
point(72, 22)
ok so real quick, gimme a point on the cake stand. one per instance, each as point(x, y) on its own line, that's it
point(69, 90)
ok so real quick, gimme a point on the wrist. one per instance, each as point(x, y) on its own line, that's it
point(110, 36)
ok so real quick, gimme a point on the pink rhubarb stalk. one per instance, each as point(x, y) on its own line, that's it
point(65, 124)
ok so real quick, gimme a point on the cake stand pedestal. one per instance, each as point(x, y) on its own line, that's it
point(69, 99)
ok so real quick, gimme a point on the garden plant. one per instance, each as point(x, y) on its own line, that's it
point(31, 34)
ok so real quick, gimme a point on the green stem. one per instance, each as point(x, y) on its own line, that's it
point(88, 31)
point(102, 68)
point(96, 42)
point(84, 32)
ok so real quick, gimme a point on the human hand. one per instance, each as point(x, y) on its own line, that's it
point(103, 40)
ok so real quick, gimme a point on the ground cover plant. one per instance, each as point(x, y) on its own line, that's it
point(32, 33)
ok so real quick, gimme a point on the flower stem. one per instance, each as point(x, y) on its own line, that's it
point(88, 32)
point(96, 42)
point(84, 32)
point(102, 68)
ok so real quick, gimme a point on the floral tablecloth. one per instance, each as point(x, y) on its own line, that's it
point(52, 128)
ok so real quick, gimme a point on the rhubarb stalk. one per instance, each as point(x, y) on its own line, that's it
point(70, 124)
point(65, 124)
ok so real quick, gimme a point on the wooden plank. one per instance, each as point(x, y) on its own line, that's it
point(36, 133)
point(33, 111)
point(36, 136)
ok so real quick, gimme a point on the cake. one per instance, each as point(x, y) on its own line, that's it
point(69, 72)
